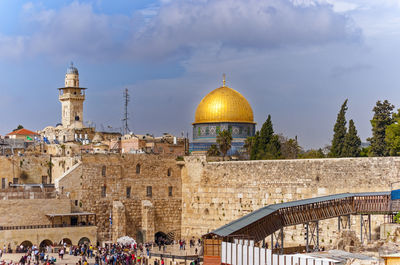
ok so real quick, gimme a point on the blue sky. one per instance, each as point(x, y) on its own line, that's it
point(297, 60)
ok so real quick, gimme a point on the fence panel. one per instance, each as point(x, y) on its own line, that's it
point(257, 256)
point(245, 254)
point(275, 258)
point(269, 257)
point(223, 252)
point(263, 255)
point(234, 254)
point(239, 254)
point(229, 257)
point(250, 254)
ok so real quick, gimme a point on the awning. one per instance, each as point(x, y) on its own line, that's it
point(69, 214)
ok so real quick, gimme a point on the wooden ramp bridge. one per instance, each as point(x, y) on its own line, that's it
point(270, 220)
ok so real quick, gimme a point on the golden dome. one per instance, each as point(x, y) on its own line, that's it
point(224, 104)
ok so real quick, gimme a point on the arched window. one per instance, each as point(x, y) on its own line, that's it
point(138, 169)
point(169, 172)
point(103, 171)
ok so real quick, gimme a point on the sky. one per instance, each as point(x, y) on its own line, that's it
point(297, 60)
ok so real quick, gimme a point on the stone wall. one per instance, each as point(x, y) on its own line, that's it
point(55, 235)
point(28, 169)
point(31, 212)
point(69, 183)
point(215, 193)
point(32, 168)
point(104, 178)
point(62, 164)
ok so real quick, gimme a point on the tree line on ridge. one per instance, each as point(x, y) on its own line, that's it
point(266, 144)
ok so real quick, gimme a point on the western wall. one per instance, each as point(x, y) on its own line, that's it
point(215, 193)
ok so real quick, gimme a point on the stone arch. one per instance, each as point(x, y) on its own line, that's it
point(83, 240)
point(160, 238)
point(45, 243)
point(169, 172)
point(66, 241)
point(26, 244)
point(137, 168)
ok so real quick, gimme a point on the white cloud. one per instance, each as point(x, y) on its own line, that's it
point(27, 6)
point(177, 28)
point(12, 47)
point(243, 24)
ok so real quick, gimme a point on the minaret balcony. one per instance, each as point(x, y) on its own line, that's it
point(69, 96)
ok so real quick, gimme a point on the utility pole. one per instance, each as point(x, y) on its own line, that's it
point(125, 119)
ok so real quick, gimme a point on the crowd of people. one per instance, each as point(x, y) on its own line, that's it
point(110, 254)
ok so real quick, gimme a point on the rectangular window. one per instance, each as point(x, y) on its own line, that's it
point(170, 191)
point(3, 183)
point(76, 202)
point(15, 180)
point(128, 192)
point(103, 191)
point(149, 191)
point(44, 179)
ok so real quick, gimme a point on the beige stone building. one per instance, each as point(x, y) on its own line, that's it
point(34, 215)
point(141, 192)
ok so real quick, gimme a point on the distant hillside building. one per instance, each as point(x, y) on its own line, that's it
point(23, 134)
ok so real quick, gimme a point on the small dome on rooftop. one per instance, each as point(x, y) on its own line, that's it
point(72, 69)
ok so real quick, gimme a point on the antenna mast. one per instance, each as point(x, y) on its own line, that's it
point(125, 119)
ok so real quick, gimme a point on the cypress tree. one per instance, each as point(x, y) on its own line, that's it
point(339, 132)
point(255, 146)
point(266, 133)
point(273, 148)
point(265, 144)
point(382, 119)
point(352, 142)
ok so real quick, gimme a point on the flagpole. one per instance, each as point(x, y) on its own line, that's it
point(110, 225)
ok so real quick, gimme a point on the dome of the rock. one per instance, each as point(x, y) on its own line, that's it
point(224, 104)
point(222, 109)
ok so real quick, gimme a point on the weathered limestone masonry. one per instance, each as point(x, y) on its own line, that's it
point(25, 212)
point(143, 189)
point(27, 169)
point(30, 168)
point(215, 193)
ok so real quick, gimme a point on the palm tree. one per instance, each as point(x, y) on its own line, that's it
point(224, 141)
point(213, 150)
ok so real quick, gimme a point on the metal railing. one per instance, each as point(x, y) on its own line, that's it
point(21, 227)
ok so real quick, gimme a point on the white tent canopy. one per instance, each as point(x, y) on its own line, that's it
point(126, 240)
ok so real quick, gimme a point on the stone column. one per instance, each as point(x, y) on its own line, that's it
point(148, 221)
point(118, 220)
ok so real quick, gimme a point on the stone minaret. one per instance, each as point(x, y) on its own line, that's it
point(72, 97)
